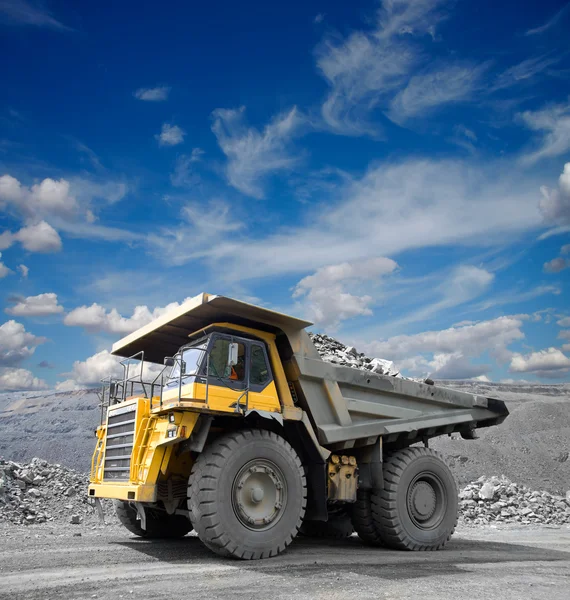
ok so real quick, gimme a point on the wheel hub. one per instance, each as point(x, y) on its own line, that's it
point(259, 494)
point(422, 501)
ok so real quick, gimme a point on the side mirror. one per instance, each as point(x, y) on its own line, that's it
point(233, 354)
point(169, 361)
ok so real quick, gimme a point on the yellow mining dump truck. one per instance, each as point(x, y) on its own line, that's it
point(247, 436)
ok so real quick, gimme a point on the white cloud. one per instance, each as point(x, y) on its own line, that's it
point(205, 226)
point(457, 366)
point(157, 94)
point(12, 380)
point(564, 322)
point(364, 69)
point(523, 71)
point(254, 155)
point(48, 197)
point(184, 174)
point(16, 344)
point(41, 237)
point(4, 270)
point(319, 18)
point(36, 306)
point(22, 12)
point(170, 135)
point(24, 271)
point(549, 24)
point(553, 122)
point(448, 84)
point(565, 249)
point(90, 372)
point(543, 361)
point(556, 265)
point(555, 203)
point(96, 319)
point(463, 284)
point(325, 298)
point(493, 336)
point(394, 207)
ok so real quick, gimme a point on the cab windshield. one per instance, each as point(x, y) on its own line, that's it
point(191, 359)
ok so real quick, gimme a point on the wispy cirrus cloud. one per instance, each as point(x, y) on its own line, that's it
point(254, 155)
point(444, 85)
point(22, 12)
point(552, 124)
point(550, 23)
point(364, 69)
point(156, 94)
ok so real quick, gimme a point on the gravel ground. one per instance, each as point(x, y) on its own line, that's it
point(107, 563)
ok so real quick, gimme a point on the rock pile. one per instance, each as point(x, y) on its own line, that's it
point(333, 351)
point(497, 499)
point(38, 492)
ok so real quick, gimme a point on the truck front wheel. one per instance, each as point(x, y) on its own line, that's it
point(158, 524)
point(417, 509)
point(247, 494)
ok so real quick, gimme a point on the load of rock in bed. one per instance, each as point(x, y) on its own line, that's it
point(39, 492)
point(333, 351)
point(498, 500)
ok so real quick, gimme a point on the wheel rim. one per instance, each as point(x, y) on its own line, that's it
point(426, 501)
point(259, 494)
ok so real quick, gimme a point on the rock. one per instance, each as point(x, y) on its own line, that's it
point(75, 520)
point(487, 492)
point(70, 492)
point(34, 492)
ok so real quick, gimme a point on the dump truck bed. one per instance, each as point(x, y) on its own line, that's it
point(348, 404)
point(348, 407)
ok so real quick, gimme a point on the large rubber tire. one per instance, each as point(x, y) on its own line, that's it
point(159, 525)
point(339, 526)
point(418, 507)
point(218, 494)
point(363, 519)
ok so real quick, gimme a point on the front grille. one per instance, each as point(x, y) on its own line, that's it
point(120, 439)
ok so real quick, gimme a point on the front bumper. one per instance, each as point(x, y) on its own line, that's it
point(123, 491)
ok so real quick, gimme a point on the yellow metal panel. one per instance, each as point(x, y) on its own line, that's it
point(123, 491)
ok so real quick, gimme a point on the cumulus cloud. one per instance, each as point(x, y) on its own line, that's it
point(254, 155)
point(446, 352)
point(4, 270)
point(14, 380)
point(170, 135)
point(41, 237)
point(96, 319)
point(556, 265)
point(549, 362)
point(553, 125)
point(90, 372)
point(564, 322)
point(16, 344)
point(325, 297)
point(156, 94)
point(36, 306)
point(555, 203)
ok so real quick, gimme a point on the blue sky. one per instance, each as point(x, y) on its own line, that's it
point(398, 172)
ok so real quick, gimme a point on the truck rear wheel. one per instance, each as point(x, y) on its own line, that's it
point(158, 524)
point(417, 509)
point(247, 495)
point(363, 519)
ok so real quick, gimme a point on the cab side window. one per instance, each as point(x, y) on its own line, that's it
point(219, 361)
point(259, 373)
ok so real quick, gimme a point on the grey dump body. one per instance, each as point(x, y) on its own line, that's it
point(348, 407)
